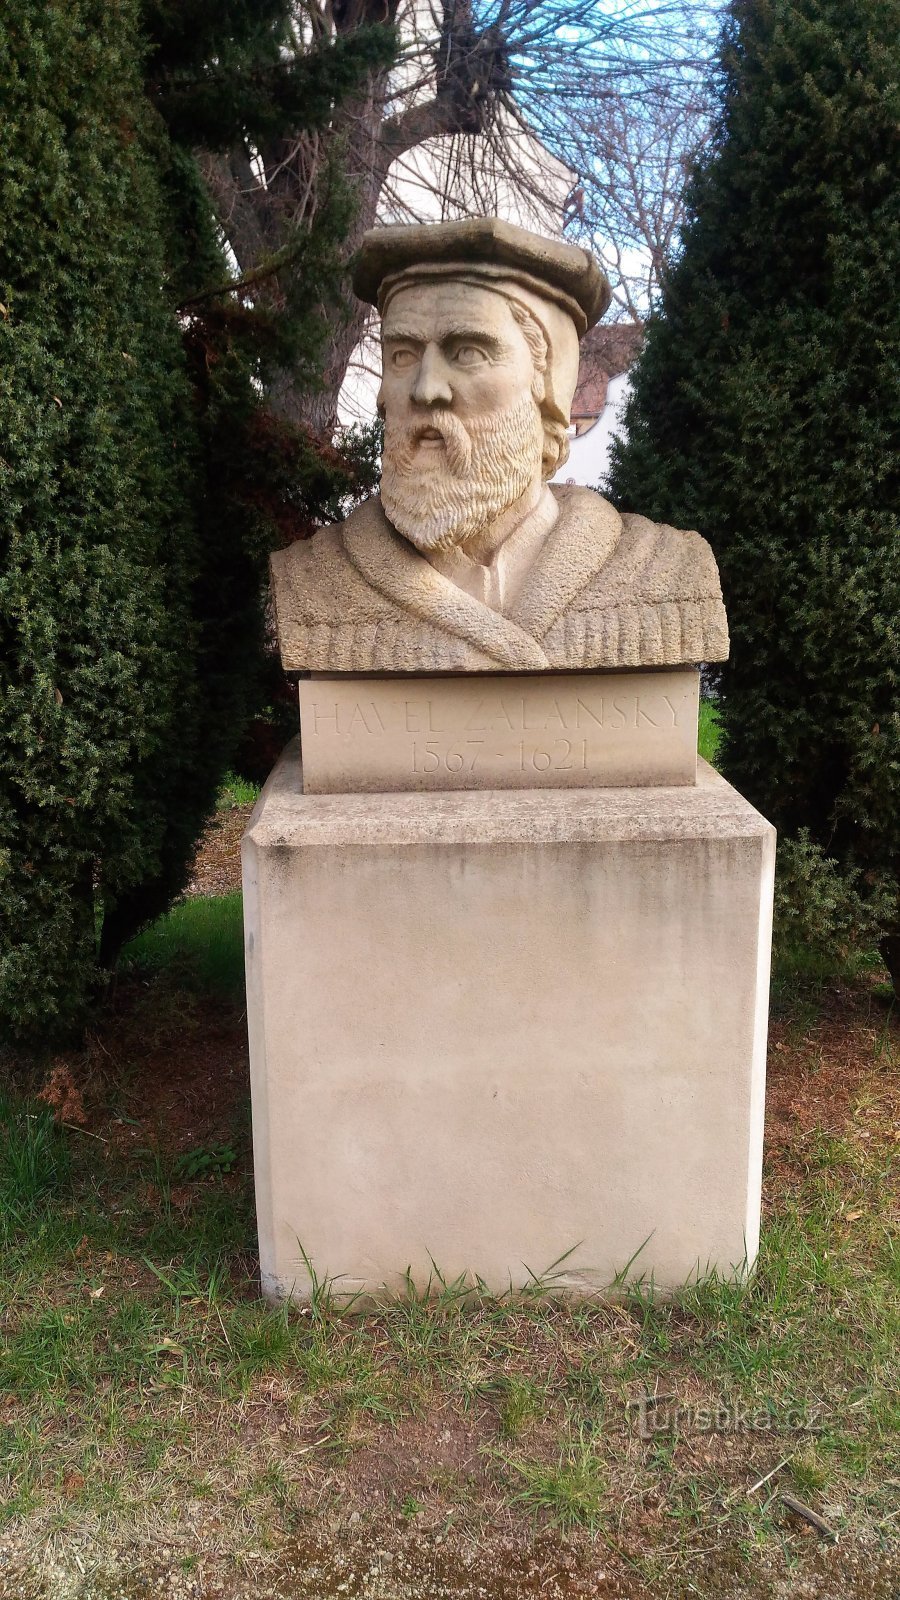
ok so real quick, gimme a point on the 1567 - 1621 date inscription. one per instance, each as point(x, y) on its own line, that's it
point(571, 730)
point(475, 755)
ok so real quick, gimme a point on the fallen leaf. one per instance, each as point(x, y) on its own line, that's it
point(62, 1094)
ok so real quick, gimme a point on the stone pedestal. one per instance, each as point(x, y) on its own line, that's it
point(491, 1030)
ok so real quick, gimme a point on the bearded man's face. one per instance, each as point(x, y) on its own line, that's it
point(463, 433)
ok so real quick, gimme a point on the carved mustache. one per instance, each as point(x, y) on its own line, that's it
point(457, 442)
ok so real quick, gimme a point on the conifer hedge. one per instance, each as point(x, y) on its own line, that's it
point(142, 480)
point(97, 554)
point(766, 413)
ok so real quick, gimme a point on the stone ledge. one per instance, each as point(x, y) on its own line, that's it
point(284, 815)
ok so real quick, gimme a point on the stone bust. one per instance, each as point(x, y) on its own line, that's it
point(467, 561)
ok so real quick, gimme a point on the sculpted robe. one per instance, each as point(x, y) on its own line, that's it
point(606, 591)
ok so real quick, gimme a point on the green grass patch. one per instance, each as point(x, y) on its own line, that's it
point(236, 791)
point(200, 941)
point(34, 1158)
point(135, 1353)
point(709, 732)
point(572, 1491)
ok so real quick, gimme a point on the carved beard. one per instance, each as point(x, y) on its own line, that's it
point(438, 498)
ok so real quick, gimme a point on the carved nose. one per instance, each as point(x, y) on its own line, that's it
point(432, 386)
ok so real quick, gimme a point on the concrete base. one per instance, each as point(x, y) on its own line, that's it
point(492, 1030)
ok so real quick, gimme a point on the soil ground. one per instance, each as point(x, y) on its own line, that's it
point(163, 1434)
point(217, 868)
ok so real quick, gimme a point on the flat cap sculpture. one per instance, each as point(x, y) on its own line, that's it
point(467, 561)
point(488, 249)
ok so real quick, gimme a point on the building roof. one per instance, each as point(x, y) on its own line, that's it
point(606, 351)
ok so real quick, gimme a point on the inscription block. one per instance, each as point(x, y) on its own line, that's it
point(540, 731)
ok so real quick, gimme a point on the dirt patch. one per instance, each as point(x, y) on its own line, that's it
point(163, 1065)
point(217, 864)
point(424, 1465)
point(195, 1092)
point(379, 1562)
point(834, 1075)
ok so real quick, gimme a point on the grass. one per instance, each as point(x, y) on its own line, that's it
point(143, 1383)
point(201, 940)
point(141, 1370)
point(709, 732)
point(573, 1491)
point(236, 791)
point(34, 1156)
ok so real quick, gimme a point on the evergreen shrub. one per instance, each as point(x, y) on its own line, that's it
point(97, 677)
point(766, 413)
point(144, 479)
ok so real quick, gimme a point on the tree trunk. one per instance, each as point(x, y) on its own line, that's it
point(258, 218)
point(319, 409)
point(890, 955)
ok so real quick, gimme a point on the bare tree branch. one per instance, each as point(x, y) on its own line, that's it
point(505, 106)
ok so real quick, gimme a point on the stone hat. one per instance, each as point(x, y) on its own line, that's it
point(559, 284)
point(482, 249)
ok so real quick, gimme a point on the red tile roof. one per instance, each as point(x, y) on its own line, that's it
point(606, 351)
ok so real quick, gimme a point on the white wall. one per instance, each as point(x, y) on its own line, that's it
point(588, 461)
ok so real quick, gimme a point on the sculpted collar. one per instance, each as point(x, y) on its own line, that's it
point(498, 580)
point(585, 536)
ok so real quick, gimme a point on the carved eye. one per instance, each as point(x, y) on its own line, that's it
point(469, 355)
point(403, 358)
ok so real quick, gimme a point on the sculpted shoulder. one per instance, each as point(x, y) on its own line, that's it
point(314, 583)
point(309, 567)
point(651, 562)
point(653, 597)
